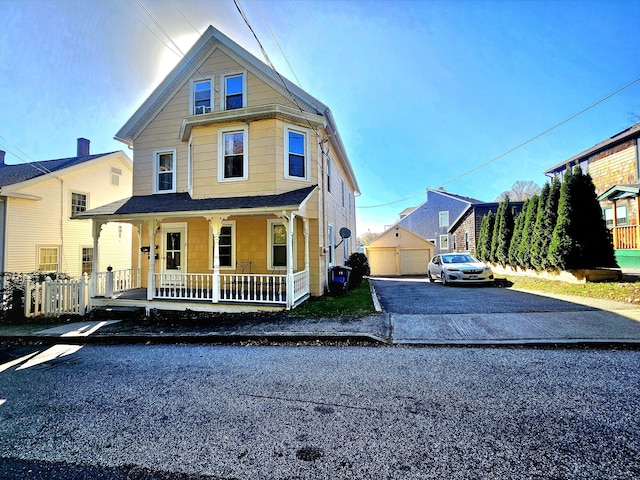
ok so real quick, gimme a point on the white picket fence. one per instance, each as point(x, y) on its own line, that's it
point(53, 298)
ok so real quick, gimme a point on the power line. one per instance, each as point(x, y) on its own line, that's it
point(517, 147)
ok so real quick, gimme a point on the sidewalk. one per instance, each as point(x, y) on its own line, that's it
point(601, 323)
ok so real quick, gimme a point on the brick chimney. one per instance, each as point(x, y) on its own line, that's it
point(83, 147)
point(2, 154)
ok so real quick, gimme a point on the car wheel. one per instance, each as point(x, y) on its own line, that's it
point(431, 279)
point(443, 277)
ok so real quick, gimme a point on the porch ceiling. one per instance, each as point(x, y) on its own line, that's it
point(181, 204)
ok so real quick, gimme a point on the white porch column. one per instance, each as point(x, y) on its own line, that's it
point(305, 225)
point(216, 227)
point(96, 230)
point(152, 226)
point(290, 223)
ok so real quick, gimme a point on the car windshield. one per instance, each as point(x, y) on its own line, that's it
point(463, 258)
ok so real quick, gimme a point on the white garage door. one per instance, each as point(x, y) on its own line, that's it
point(414, 262)
point(382, 261)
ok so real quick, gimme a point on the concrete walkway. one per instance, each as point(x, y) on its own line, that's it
point(600, 323)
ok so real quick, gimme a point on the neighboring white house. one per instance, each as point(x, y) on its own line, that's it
point(37, 200)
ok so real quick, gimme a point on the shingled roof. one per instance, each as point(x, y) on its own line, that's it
point(172, 203)
point(12, 174)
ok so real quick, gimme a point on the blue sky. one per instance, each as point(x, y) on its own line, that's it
point(422, 91)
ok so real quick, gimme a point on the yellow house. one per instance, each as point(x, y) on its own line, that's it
point(399, 251)
point(37, 201)
point(241, 185)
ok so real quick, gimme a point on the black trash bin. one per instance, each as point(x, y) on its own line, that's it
point(339, 280)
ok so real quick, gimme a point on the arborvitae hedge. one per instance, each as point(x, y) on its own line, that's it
point(562, 228)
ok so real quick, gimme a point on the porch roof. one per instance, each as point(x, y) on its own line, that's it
point(619, 192)
point(182, 204)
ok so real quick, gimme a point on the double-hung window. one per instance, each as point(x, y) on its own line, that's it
point(621, 215)
point(234, 87)
point(165, 171)
point(277, 254)
point(226, 246)
point(232, 154)
point(48, 259)
point(443, 218)
point(296, 154)
point(78, 203)
point(87, 259)
point(202, 98)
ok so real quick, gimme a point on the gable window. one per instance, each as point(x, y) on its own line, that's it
point(232, 154)
point(165, 171)
point(115, 176)
point(233, 92)
point(226, 246)
point(296, 160)
point(87, 259)
point(444, 242)
point(277, 245)
point(78, 203)
point(443, 218)
point(202, 99)
point(48, 259)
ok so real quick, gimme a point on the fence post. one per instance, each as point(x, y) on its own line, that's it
point(27, 298)
point(109, 286)
point(82, 295)
point(46, 296)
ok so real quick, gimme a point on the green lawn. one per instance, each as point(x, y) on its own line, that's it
point(356, 302)
point(627, 290)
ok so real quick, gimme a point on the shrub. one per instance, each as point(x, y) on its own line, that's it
point(359, 265)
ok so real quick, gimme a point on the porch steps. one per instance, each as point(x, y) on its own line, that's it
point(121, 311)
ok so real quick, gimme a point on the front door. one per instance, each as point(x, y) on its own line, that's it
point(174, 259)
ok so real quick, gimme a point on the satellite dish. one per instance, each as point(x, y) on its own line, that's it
point(345, 232)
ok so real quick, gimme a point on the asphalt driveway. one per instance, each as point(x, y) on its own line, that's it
point(421, 312)
point(416, 295)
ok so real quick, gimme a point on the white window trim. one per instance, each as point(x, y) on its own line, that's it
point(329, 174)
point(38, 248)
point(232, 224)
point(156, 171)
point(223, 88)
point(440, 222)
point(77, 192)
point(245, 153)
point(307, 163)
point(331, 242)
point(270, 266)
point(192, 92)
point(446, 239)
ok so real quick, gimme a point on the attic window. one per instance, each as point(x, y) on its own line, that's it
point(234, 92)
point(202, 97)
point(165, 172)
point(115, 176)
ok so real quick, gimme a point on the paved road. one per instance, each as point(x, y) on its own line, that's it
point(322, 413)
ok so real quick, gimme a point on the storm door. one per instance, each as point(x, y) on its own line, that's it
point(174, 259)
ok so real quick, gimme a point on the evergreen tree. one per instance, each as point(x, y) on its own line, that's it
point(537, 234)
point(517, 235)
point(483, 247)
point(561, 249)
point(581, 238)
point(495, 235)
point(506, 233)
point(549, 220)
point(524, 250)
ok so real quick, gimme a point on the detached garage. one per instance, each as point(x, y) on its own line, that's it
point(399, 252)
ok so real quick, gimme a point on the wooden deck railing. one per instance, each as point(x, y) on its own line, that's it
point(625, 237)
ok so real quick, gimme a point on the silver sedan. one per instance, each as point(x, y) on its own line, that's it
point(458, 268)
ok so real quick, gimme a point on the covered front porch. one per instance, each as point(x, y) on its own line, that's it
point(254, 256)
point(622, 215)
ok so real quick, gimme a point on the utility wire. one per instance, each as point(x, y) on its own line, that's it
point(526, 142)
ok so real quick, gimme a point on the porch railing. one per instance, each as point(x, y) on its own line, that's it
point(625, 237)
point(116, 281)
point(242, 288)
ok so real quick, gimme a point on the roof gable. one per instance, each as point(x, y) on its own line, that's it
point(405, 238)
point(206, 45)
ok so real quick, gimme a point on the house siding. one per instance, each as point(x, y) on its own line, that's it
point(46, 222)
point(614, 167)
